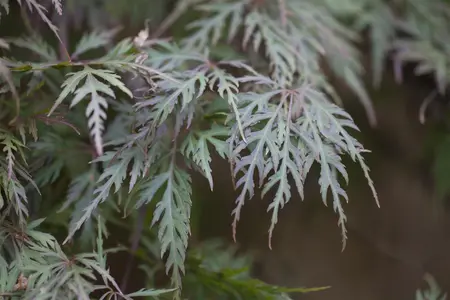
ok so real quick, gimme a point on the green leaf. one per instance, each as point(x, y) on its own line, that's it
point(113, 176)
point(264, 152)
point(286, 137)
point(11, 171)
point(150, 292)
point(172, 213)
point(93, 40)
point(227, 88)
point(34, 5)
point(183, 92)
point(195, 147)
point(38, 46)
point(96, 109)
point(208, 30)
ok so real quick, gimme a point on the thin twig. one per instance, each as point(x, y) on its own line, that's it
point(135, 239)
point(63, 22)
point(26, 21)
point(283, 12)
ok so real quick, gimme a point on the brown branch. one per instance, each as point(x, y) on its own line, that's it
point(283, 12)
point(135, 239)
point(63, 23)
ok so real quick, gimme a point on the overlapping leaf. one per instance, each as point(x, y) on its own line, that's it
point(172, 214)
point(93, 40)
point(195, 147)
point(111, 180)
point(284, 140)
point(209, 29)
point(12, 172)
point(97, 106)
point(191, 86)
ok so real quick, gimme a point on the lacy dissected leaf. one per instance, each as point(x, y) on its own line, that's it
point(336, 40)
point(287, 47)
point(172, 214)
point(15, 195)
point(430, 59)
point(150, 293)
point(111, 180)
point(12, 171)
point(51, 274)
point(50, 173)
point(292, 161)
point(380, 20)
point(11, 145)
point(293, 45)
point(5, 74)
point(51, 278)
point(227, 87)
point(48, 151)
point(195, 147)
point(122, 124)
point(213, 74)
point(190, 86)
point(265, 32)
point(5, 5)
point(93, 40)
point(425, 40)
point(97, 106)
point(167, 56)
point(58, 6)
point(80, 194)
point(285, 138)
point(326, 125)
point(35, 6)
point(42, 270)
point(37, 45)
point(119, 52)
point(264, 153)
point(209, 30)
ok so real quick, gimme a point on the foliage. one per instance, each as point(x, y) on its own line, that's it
point(216, 268)
point(250, 80)
point(433, 293)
